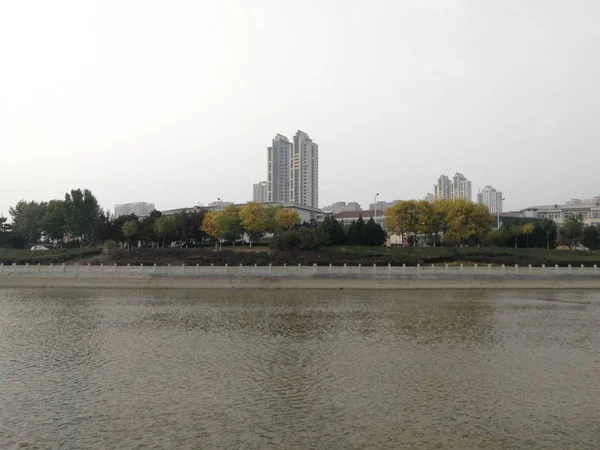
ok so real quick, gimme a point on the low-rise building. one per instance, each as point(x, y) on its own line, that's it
point(347, 217)
point(219, 204)
point(589, 212)
point(306, 213)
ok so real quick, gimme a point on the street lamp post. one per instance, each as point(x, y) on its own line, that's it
point(375, 208)
point(498, 208)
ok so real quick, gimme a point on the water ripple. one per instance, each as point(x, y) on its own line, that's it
point(298, 370)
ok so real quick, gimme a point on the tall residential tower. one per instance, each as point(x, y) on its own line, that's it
point(491, 198)
point(461, 187)
point(442, 190)
point(293, 170)
point(304, 173)
point(260, 192)
point(278, 181)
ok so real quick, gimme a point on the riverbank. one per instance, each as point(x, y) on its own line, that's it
point(300, 277)
point(300, 284)
point(338, 256)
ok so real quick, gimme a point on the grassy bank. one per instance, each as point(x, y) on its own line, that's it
point(348, 255)
point(10, 256)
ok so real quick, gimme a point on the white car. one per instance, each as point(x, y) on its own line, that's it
point(36, 248)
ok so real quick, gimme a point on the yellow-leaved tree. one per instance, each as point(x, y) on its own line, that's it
point(287, 219)
point(253, 218)
point(224, 224)
point(467, 221)
point(404, 217)
point(209, 225)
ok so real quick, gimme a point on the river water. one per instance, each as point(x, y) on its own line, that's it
point(299, 370)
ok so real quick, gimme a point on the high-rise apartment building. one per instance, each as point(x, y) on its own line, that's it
point(429, 197)
point(260, 192)
point(490, 198)
point(443, 189)
point(293, 171)
point(278, 180)
point(140, 209)
point(304, 173)
point(461, 187)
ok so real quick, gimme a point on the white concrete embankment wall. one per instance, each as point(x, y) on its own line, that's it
point(300, 277)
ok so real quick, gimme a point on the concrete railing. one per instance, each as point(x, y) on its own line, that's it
point(375, 271)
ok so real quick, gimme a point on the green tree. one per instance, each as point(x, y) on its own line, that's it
point(102, 227)
point(27, 219)
point(81, 214)
point(53, 222)
point(270, 219)
point(572, 229)
point(374, 233)
point(129, 229)
point(230, 222)
point(433, 218)
point(165, 226)
point(5, 238)
point(357, 232)
point(4, 226)
point(527, 229)
point(300, 238)
point(550, 230)
point(116, 227)
point(146, 228)
point(591, 237)
point(333, 231)
point(189, 227)
point(404, 217)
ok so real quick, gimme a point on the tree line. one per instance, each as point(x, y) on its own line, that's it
point(80, 219)
point(288, 232)
point(449, 222)
point(460, 222)
point(453, 223)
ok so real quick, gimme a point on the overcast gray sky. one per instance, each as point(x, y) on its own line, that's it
point(175, 102)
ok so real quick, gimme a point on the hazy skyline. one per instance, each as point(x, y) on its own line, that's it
point(176, 102)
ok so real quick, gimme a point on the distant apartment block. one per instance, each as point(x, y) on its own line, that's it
point(339, 207)
point(491, 198)
point(278, 169)
point(578, 201)
point(429, 198)
point(442, 190)
point(458, 187)
point(293, 170)
point(304, 174)
point(260, 192)
point(140, 209)
point(383, 205)
point(461, 187)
